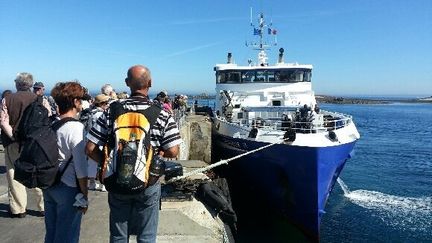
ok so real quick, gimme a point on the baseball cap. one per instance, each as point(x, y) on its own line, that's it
point(38, 85)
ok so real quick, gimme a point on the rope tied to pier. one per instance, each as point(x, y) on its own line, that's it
point(221, 162)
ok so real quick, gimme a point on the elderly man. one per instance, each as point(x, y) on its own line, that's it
point(11, 111)
point(107, 89)
point(139, 212)
point(39, 90)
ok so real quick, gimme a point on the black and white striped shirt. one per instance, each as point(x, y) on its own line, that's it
point(164, 134)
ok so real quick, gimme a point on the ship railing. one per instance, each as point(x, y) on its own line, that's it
point(323, 122)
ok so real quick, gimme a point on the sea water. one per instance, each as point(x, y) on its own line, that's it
point(384, 193)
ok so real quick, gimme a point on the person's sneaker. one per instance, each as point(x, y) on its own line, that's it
point(92, 185)
point(17, 215)
point(102, 188)
point(40, 214)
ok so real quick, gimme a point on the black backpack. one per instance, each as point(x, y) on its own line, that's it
point(37, 165)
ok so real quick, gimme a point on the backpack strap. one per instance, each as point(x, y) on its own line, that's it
point(60, 174)
point(59, 123)
point(152, 113)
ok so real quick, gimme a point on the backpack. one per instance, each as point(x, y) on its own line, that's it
point(34, 116)
point(37, 165)
point(86, 118)
point(129, 153)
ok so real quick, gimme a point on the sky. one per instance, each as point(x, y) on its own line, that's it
point(357, 47)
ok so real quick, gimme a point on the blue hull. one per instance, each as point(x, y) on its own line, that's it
point(293, 181)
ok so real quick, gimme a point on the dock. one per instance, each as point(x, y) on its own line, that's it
point(182, 219)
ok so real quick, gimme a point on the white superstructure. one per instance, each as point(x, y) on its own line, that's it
point(269, 103)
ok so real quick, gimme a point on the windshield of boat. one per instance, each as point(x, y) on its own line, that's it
point(291, 75)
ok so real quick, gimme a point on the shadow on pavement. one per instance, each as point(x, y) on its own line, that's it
point(4, 210)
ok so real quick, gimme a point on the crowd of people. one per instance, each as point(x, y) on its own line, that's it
point(308, 119)
point(81, 146)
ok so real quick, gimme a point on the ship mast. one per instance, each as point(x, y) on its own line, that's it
point(262, 44)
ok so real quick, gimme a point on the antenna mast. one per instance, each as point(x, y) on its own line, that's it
point(261, 45)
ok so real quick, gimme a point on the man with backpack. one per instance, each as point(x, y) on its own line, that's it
point(134, 133)
point(12, 109)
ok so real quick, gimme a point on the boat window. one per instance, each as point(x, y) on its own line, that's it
point(248, 76)
point(293, 75)
point(271, 76)
point(297, 76)
point(260, 76)
point(307, 76)
point(233, 77)
point(276, 103)
point(220, 77)
point(228, 77)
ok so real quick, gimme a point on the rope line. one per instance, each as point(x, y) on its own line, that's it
point(221, 162)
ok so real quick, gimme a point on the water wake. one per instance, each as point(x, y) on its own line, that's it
point(405, 213)
point(344, 187)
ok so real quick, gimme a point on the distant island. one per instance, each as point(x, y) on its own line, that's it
point(325, 99)
point(426, 99)
point(328, 99)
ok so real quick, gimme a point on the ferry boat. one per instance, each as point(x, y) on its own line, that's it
point(260, 104)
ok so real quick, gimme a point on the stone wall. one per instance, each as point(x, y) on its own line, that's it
point(196, 135)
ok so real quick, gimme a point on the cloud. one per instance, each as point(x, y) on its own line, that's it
point(116, 53)
point(306, 15)
point(193, 49)
point(204, 21)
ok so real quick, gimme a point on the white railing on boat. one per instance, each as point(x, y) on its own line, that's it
point(273, 121)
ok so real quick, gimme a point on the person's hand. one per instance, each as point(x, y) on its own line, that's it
point(81, 202)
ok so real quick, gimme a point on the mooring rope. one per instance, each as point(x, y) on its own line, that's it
point(221, 162)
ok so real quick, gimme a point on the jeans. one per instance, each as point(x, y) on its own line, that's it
point(137, 214)
point(62, 219)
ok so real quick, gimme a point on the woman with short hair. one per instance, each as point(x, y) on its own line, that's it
point(63, 207)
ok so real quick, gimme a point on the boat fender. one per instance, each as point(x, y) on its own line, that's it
point(211, 195)
point(290, 135)
point(333, 137)
point(253, 133)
